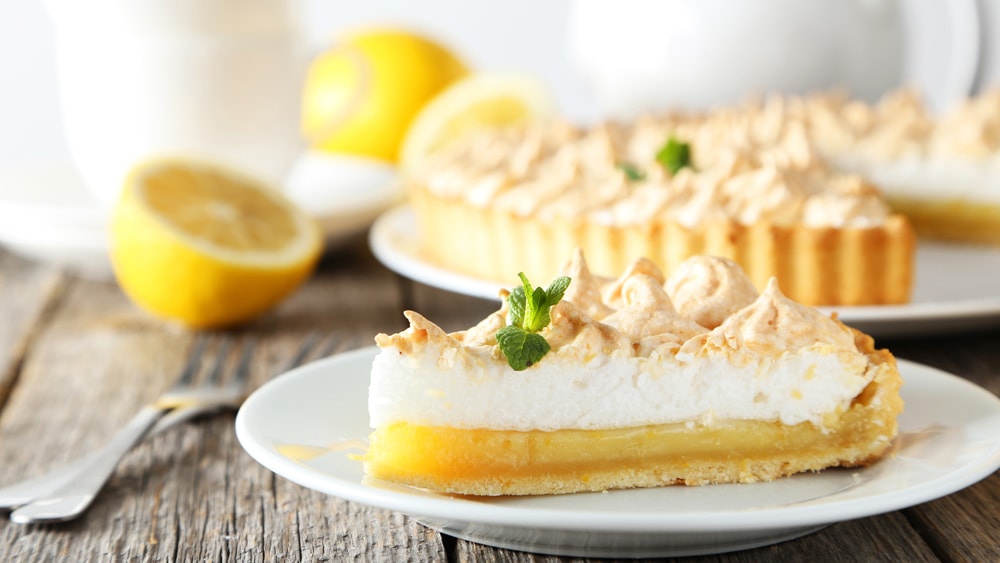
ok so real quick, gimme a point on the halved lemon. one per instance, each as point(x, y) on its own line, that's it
point(207, 246)
point(487, 99)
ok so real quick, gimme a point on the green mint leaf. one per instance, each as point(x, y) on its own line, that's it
point(517, 300)
point(522, 348)
point(674, 155)
point(529, 301)
point(556, 289)
point(632, 172)
point(525, 284)
point(519, 341)
point(538, 311)
point(535, 348)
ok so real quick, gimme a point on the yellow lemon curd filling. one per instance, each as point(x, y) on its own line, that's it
point(952, 219)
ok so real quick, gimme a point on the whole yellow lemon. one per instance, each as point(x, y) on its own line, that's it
point(361, 95)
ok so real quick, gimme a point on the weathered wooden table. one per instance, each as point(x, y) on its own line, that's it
point(77, 360)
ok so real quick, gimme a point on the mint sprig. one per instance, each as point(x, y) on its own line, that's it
point(674, 155)
point(519, 341)
point(632, 172)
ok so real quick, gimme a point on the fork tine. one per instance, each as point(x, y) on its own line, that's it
point(236, 385)
point(243, 367)
point(328, 348)
point(194, 361)
point(221, 354)
point(303, 351)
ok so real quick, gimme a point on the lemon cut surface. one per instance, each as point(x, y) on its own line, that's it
point(207, 246)
point(481, 100)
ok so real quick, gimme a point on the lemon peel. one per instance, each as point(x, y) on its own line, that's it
point(361, 94)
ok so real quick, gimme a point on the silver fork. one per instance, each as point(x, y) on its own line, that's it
point(28, 490)
point(185, 399)
point(18, 494)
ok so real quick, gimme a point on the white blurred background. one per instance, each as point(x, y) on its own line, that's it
point(516, 34)
point(525, 35)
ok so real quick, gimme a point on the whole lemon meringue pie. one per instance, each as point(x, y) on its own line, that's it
point(664, 188)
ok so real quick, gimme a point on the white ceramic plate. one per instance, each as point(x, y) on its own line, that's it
point(304, 424)
point(957, 286)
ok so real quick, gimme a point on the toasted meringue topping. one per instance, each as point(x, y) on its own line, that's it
point(769, 326)
point(648, 311)
point(573, 333)
point(900, 125)
point(746, 167)
point(709, 289)
point(708, 305)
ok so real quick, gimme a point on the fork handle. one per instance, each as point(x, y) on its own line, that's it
point(18, 494)
point(72, 498)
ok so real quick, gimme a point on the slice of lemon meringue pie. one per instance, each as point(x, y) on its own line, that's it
point(638, 381)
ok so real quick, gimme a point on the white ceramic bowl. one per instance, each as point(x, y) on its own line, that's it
point(345, 193)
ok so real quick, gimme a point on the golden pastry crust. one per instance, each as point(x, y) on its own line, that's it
point(814, 265)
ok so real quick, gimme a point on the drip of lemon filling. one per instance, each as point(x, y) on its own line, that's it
point(734, 387)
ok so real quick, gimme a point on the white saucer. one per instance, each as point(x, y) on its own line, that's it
point(957, 286)
point(47, 213)
point(304, 424)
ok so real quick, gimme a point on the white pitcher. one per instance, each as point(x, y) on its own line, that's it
point(647, 55)
point(217, 79)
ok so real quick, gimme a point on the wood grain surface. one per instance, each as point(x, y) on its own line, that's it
point(77, 360)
